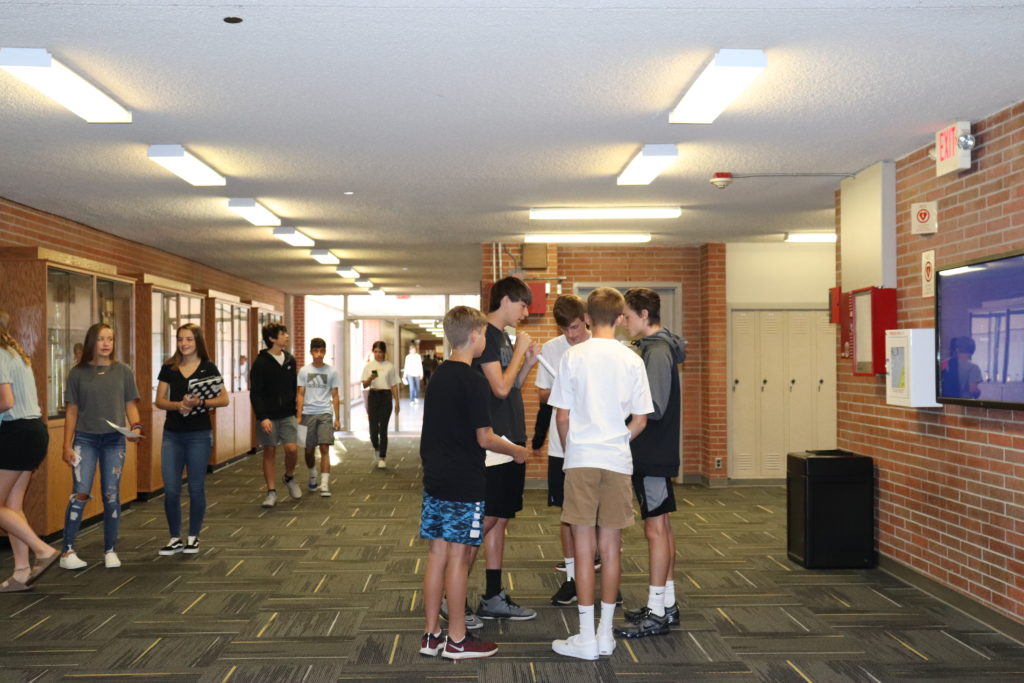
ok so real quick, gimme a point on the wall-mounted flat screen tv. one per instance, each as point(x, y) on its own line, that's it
point(979, 332)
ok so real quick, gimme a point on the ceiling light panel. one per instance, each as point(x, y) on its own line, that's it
point(648, 164)
point(811, 237)
point(366, 284)
point(375, 291)
point(181, 163)
point(722, 81)
point(605, 213)
point(38, 68)
point(587, 238)
point(290, 235)
point(254, 212)
point(347, 272)
point(325, 257)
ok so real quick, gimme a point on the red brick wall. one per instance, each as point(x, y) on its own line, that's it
point(688, 266)
point(298, 324)
point(950, 479)
point(22, 226)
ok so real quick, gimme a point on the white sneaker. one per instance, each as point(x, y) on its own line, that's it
point(605, 643)
point(72, 561)
point(574, 647)
point(325, 485)
point(381, 465)
point(294, 490)
point(312, 480)
point(271, 499)
point(110, 560)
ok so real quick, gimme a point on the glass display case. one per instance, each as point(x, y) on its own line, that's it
point(233, 344)
point(69, 304)
point(114, 308)
point(170, 311)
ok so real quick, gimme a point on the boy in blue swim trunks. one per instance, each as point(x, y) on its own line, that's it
point(456, 431)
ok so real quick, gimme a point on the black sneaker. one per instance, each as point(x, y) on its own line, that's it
point(635, 616)
point(173, 547)
point(566, 595)
point(191, 547)
point(650, 625)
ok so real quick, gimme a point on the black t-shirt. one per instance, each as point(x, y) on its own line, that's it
point(177, 388)
point(507, 414)
point(456, 406)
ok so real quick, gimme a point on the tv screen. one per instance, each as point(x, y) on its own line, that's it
point(979, 332)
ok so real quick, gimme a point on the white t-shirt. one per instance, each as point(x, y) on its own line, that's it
point(601, 383)
point(387, 376)
point(552, 351)
point(318, 383)
point(413, 365)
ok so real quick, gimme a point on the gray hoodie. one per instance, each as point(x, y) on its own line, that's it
point(661, 351)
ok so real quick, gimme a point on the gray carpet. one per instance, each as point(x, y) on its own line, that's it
point(329, 589)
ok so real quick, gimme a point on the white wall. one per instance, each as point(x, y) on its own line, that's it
point(322, 321)
point(779, 274)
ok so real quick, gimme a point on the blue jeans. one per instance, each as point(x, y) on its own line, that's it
point(414, 388)
point(107, 452)
point(185, 451)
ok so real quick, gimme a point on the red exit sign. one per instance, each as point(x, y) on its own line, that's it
point(948, 155)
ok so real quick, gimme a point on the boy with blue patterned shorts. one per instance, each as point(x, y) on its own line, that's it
point(456, 432)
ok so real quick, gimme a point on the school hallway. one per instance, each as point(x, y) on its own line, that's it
point(329, 589)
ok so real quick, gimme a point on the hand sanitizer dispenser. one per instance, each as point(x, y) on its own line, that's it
point(910, 368)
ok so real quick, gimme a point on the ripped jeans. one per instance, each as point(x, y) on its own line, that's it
point(107, 452)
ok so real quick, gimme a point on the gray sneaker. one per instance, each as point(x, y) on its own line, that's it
point(501, 606)
point(473, 622)
point(294, 490)
point(271, 499)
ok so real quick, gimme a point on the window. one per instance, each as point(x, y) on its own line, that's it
point(171, 310)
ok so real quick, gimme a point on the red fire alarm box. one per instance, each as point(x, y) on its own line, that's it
point(539, 305)
point(873, 311)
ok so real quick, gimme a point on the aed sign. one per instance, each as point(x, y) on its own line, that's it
point(948, 155)
point(923, 218)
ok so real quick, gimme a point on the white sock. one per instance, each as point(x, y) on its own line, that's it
point(570, 569)
point(607, 618)
point(174, 539)
point(670, 593)
point(656, 600)
point(587, 633)
point(191, 540)
point(325, 478)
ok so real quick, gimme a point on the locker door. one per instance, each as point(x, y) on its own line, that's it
point(800, 390)
point(772, 394)
point(825, 382)
point(744, 397)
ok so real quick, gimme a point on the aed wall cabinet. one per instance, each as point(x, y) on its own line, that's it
point(873, 312)
point(910, 368)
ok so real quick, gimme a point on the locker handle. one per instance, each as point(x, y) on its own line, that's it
point(820, 382)
point(792, 382)
point(734, 383)
point(763, 383)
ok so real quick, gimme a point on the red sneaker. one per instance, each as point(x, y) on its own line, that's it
point(469, 648)
point(430, 644)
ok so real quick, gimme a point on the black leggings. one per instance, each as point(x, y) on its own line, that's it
point(379, 408)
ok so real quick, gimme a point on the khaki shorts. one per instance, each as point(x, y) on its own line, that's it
point(596, 497)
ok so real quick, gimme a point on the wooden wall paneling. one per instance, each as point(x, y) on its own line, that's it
point(242, 410)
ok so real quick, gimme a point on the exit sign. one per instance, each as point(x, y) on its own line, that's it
point(948, 155)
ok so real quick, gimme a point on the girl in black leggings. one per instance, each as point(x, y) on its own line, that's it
point(381, 378)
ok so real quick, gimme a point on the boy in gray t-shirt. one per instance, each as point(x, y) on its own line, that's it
point(317, 392)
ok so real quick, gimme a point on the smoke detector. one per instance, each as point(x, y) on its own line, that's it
point(721, 180)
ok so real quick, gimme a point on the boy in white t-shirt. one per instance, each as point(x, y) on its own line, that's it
point(568, 311)
point(317, 393)
point(599, 384)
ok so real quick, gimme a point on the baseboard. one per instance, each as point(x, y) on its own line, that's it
point(997, 621)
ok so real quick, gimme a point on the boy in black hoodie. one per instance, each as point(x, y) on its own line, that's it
point(272, 389)
point(656, 459)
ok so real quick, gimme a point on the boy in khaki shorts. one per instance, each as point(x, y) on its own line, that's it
point(599, 384)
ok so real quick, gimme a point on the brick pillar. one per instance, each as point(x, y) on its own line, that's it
point(714, 328)
point(299, 329)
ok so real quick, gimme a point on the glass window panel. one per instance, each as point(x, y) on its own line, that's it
point(69, 315)
point(114, 302)
point(157, 335)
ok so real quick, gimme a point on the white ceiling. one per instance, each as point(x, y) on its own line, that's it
point(449, 119)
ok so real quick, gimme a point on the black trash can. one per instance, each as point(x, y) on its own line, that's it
point(830, 509)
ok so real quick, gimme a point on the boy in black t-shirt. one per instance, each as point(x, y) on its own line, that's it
point(456, 430)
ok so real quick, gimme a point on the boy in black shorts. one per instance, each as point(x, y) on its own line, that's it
point(656, 459)
point(456, 431)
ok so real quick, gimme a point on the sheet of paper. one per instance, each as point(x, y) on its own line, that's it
point(547, 365)
point(493, 458)
point(124, 430)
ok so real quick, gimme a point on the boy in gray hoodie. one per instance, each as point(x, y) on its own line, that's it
point(656, 459)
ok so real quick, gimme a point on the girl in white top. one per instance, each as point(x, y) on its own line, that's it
point(381, 378)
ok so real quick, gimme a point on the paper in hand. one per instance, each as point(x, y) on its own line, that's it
point(547, 365)
point(493, 458)
point(125, 431)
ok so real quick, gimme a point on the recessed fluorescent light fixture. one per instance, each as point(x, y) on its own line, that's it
point(425, 321)
point(347, 272)
point(290, 235)
point(605, 213)
point(324, 256)
point(819, 237)
point(648, 164)
point(722, 81)
point(961, 270)
point(364, 283)
point(254, 212)
point(588, 238)
point(178, 161)
point(375, 291)
point(37, 67)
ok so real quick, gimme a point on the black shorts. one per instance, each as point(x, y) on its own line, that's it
point(556, 482)
point(504, 496)
point(23, 444)
point(656, 495)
